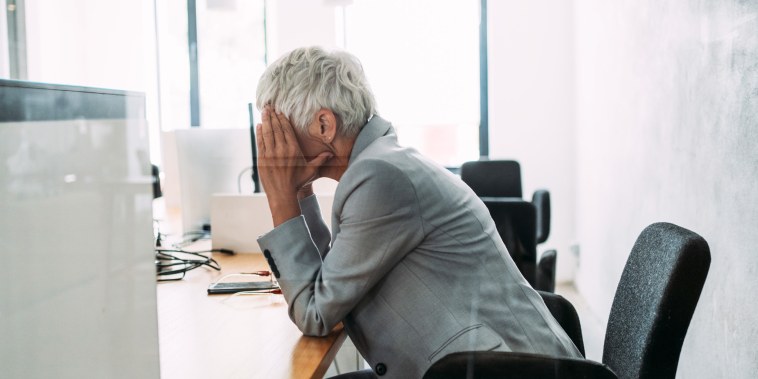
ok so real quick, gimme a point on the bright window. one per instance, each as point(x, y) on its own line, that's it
point(92, 43)
point(422, 61)
point(231, 53)
point(230, 59)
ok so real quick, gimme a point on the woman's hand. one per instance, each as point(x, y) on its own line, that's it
point(282, 167)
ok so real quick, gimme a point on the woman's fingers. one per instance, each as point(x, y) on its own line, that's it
point(284, 168)
point(286, 127)
point(276, 126)
point(259, 139)
point(280, 144)
point(266, 131)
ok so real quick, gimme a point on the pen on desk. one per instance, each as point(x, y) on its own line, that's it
point(276, 291)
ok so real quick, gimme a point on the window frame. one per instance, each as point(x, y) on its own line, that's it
point(483, 73)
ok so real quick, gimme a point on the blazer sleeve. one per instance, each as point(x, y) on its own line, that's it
point(311, 212)
point(379, 223)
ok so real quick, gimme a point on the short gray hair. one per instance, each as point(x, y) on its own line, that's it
point(307, 79)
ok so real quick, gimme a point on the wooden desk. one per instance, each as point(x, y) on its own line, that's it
point(220, 336)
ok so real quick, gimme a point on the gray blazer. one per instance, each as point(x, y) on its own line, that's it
point(414, 268)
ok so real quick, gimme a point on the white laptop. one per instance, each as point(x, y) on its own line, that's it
point(238, 220)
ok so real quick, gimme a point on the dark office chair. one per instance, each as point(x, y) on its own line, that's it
point(654, 302)
point(652, 309)
point(545, 280)
point(499, 365)
point(493, 178)
point(521, 224)
point(565, 313)
point(502, 178)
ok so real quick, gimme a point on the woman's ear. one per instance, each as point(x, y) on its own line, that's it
point(327, 125)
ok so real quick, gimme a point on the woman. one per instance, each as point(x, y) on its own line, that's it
point(414, 268)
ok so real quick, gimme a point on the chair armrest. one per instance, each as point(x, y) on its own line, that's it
point(541, 201)
point(565, 313)
point(491, 365)
point(546, 272)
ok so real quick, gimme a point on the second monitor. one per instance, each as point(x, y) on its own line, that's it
point(208, 161)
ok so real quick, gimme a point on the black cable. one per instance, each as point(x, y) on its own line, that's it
point(172, 262)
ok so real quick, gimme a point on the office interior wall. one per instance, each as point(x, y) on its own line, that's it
point(667, 130)
point(531, 106)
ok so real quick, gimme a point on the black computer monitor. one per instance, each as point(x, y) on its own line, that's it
point(30, 101)
point(254, 149)
point(78, 115)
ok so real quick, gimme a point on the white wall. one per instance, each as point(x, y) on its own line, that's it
point(667, 130)
point(531, 107)
point(632, 113)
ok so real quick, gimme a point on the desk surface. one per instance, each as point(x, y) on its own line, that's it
point(220, 336)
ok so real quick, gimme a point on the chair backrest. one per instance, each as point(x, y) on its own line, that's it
point(515, 222)
point(497, 178)
point(541, 201)
point(545, 275)
point(654, 302)
point(565, 313)
point(500, 365)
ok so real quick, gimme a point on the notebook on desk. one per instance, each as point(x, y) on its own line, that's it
point(238, 220)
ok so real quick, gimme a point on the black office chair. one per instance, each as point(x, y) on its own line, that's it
point(655, 299)
point(545, 280)
point(499, 365)
point(652, 309)
point(498, 178)
point(502, 178)
point(521, 224)
point(565, 313)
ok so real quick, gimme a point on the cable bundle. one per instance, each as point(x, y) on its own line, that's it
point(173, 264)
